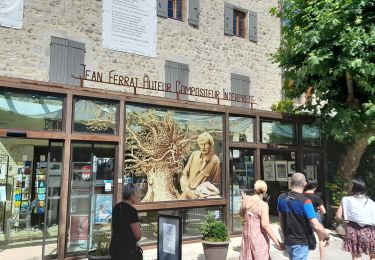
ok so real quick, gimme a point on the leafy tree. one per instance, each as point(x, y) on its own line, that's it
point(327, 51)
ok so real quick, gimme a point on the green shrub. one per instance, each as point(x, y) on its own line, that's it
point(337, 190)
point(101, 243)
point(213, 230)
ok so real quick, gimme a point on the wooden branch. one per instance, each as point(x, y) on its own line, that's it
point(350, 87)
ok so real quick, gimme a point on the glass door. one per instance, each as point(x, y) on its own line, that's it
point(242, 176)
point(47, 195)
point(91, 194)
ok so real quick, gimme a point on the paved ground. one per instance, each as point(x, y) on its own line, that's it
point(195, 251)
point(192, 251)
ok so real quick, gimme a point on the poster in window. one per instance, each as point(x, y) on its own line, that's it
point(103, 208)
point(55, 168)
point(310, 172)
point(167, 146)
point(269, 170)
point(291, 168)
point(281, 171)
point(78, 228)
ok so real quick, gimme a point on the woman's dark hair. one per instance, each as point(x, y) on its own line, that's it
point(358, 187)
point(311, 184)
point(127, 191)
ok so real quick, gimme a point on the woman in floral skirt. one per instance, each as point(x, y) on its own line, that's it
point(359, 211)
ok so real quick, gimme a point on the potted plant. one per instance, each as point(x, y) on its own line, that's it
point(101, 243)
point(215, 238)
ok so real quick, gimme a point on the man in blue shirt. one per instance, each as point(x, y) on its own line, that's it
point(298, 219)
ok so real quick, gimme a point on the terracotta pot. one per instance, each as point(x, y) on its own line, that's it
point(215, 250)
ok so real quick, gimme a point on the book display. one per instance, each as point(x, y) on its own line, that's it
point(22, 183)
point(40, 187)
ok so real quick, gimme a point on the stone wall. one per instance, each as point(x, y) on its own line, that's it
point(211, 55)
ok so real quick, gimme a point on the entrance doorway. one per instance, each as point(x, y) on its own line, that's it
point(242, 177)
point(30, 182)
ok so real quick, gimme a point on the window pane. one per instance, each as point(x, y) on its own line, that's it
point(241, 129)
point(95, 116)
point(170, 8)
point(275, 132)
point(234, 23)
point(163, 156)
point(242, 179)
point(310, 135)
point(30, 111)
point(91, 194)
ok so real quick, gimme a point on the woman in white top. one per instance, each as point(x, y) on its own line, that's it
point(359, 211)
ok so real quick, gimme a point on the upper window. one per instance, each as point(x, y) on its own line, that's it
point(95, 116)
point(239, 25)
point(241, 129)
point(175, 9)
point(235, 22)
point(275, 132)
point(65, 61)
point(310, 135)
point(31, 111)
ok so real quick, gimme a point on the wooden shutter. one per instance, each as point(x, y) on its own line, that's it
point(194, 12)
point(171, 76)
point(58, 60)
point(76, 57)
point(228, 19)
point(66, 58)
point(253, 26)
point(240, 85)
point(162, 8)
point(183, 77)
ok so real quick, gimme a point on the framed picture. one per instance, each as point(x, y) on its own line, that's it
point(55, 168)
point(103, 208)
point(281, 171)
point(269, 170)
point(291, 167)
point(310, 172)
point(79, 226)
point(169, 237)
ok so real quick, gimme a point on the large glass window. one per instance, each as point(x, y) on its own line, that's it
point(311, 135)
point(242, 179)
point(275, 132)
point(192, 219)
point(30, 111)
point(241, 129)
point(173, 154)
point(91, 194)
point(95, 116)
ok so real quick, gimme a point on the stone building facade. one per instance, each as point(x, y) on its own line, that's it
point(211, 55)
point(69, 145)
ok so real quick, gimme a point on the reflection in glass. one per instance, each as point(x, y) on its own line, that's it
point(168, 149)
point(310, 135)
point(30, 111)
point(95, 116)
point(311, 165)
point(241, 129)
point(191, 221)
point(242, 179)
point(274, 132)
point(91, 196)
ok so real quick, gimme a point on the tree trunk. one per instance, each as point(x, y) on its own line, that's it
point(160, 186)
point(351, 160)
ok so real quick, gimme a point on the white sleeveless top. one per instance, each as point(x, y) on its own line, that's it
point(359, 209)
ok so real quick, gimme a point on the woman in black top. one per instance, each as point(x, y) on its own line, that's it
point(319, 208)
point(126, 229)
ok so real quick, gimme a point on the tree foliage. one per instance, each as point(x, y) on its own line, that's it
point(328, 49)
